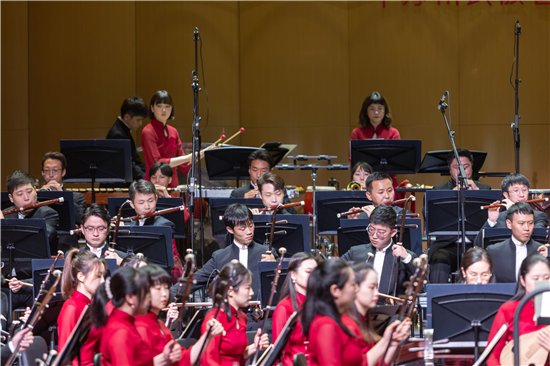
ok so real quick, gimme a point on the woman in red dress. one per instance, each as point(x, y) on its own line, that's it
point(293, 295)
point(121, 344)
point(232, 348)
point(154, 333)
point(82, 275)
point(365, 299)
point(533, 268)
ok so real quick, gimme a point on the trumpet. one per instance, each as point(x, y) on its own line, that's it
point(354, 186)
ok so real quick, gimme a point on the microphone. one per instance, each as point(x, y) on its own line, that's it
point(442, 101)
point(444, 96)
point(518, 28)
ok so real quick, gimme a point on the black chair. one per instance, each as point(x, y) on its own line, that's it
point(36, 350)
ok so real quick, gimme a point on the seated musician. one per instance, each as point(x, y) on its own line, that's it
point(160, 175)
point(476, 267)
point(132, 113)
point(533, 268)
point(271, 188)
point(467, 161)
point(360, 172)
point(259, 162)
point(54, 168)
point(515, 188)
point(381, 231)
point(508, 255)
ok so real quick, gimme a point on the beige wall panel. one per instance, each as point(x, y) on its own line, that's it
point(81, 68)
point(166, 58)
point(15, 88)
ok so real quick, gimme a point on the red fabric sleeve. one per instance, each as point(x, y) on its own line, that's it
point(121, 348)
point(395, 134)
point(280, 317)
point(211, 356)
point(183, 168)
point(185, 357)
point(150, 147)
point(355, 134)
point(66, 323)
point(500, 320)
point(327, 343)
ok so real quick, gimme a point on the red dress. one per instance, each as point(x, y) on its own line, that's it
point(121, 343)
point(69, 315)
point(329, 345)
point(297, 342)
point(158, 147)
point(226, 350)
point(156, 335)
point(506, 315)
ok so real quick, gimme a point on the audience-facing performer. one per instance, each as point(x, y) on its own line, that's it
point(293, 294)
point(515, 188)
point(160, 141)
point(259, 162)
point(467, 161)
point(271, 188)
point(476, 267)
point(360, 172)
point(132, 113)
point(232, 348)
point(366, 298)
point(533, 268)
point(121, 344)
point(54, 168)
point(95, 227)
point(82, 275)
point(160, 175)
point(154, 333)
point(381, 230)
point(508, 255)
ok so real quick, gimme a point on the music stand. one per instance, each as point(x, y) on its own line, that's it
point(76, 339)
point(294, 241)
point(97, 160)
point(354, 232)
point(493, 235)
point(382, 316)
point(266, 274)
point(177, 217)
point(281, 341)
point(218, 207)
point(464, 314)
point(22, 241)
point(390, 156)
point(436, 162)
point(329, 203)
point(64, 209)
point(193, 329)
point(228, 163)
point(154, 242)
point(275, 150)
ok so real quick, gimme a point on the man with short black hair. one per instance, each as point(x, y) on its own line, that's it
point(271, 188)
point(467, 161)
point(143, 199)
point(508, 255)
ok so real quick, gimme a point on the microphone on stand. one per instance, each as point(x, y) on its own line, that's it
point(518, 28)
point(442, 101)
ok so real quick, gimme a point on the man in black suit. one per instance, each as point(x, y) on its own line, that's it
point(271, 188)
point(132, 113)
point(381, 230)
point(515, 188)
point(467, 161)
point(143, 199)
point(259, 162)
point(508, 255)
point(23, 338)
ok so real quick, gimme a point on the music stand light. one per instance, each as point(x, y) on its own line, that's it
point(390, 156)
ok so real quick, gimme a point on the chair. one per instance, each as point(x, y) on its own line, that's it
point(36, 350)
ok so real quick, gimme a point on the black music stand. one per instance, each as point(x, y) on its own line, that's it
point(193, 329)
point(218, 207)
point(275, 150)
point(294, 241)
point(280, 343)
point(97, 160)
point(177, 217)
point(354, 232)
point(464, 314)
point(390, 156)
point(64, 209)
point(22, 241)
point(266, 274)
point(228, 163)
point(329, 203)
point(382, 316)
point(154, 242)
point(436, 162)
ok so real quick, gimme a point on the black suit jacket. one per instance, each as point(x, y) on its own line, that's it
point(503, 255)
point(5, 354)
point(122, 132)
point(397, 209)
point(155, 221)
point(541, 220)
point(240, 192)
point(103, 250)
point(359, 253)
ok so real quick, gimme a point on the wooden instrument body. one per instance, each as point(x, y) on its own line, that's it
point(531, 352)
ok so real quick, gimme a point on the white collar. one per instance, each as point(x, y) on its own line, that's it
point(98, 249)
point(240, 246)
point(383, 250)
point(121, 120)
point(518, 243)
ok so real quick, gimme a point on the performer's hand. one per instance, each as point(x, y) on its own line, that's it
point(252, 193)
point(255, 211)
point(111, 254)
point(400, 251)
point(175, 355)
point(493, 213)
point(268, 258)
point(402, 332)
point(24, 338)
point(52, 186)
point(26, 315)
point(543, 336)
point(471, 185)
point(173, 312)
point(162, 191)
point(508, 203)
point(1, 215)
point(14, 284)
point(217, 328)
point(543, 250)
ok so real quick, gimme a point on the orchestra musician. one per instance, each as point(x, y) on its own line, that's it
point(508, 254)
point(259, 162)
point(232, 348)
point(82, 275)
point(129, 291)
point(533, 268)
point(467, 161)
point(476, 267)
point(23, 338)
point(271, 188)
point(160, 141)
point(360, 172)
point(154, 333)
point(293, 294)
point(366, 298)
point(160, 175)
point(381, 231)
point(515, 188)
point(132, 113)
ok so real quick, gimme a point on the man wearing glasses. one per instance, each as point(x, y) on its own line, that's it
point(515, 188)
point(381, 230)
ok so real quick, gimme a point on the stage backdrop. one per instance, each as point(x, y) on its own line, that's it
point(293, 72)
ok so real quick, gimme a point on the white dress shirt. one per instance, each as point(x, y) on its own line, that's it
point(243, 254)
point(521, 254)
point(98, 253)
point(379, 257)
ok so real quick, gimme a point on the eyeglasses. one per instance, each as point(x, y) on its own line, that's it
point(474, 276)
point(518, 190)
point(91, 229)
point(379, 233)
point(54, 170)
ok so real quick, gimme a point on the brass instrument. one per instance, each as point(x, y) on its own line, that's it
point(354, 186)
